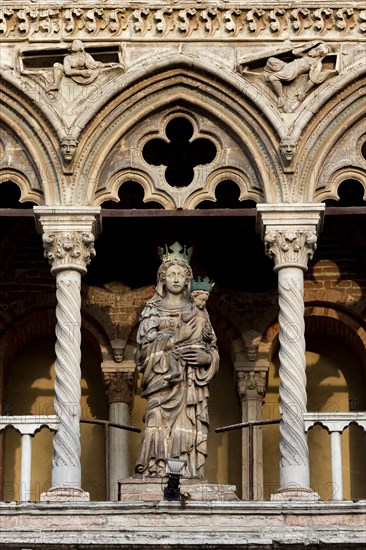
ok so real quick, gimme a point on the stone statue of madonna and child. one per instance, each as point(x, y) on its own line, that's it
point(177, 357)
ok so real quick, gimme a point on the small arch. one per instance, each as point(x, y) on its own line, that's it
point(14, 194)
point(226, 184)
point(135, 179)
point(131, 195)
point(350, 192)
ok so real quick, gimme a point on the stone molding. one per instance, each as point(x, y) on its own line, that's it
point(30, 424)
point(158, 524)
point(334, 422)
point(43, 22)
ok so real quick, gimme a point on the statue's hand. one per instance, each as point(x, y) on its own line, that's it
point(186, 330)
point(196, 357)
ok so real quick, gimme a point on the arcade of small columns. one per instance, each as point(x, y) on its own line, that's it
point(290, 233)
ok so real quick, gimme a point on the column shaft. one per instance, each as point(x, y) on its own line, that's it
point(66, 468)
point(68, 239)
point(119, 456)
point(25, 467)
point(294, 465)
point(337, 478)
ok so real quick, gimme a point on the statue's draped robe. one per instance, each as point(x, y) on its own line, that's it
point(176, 420)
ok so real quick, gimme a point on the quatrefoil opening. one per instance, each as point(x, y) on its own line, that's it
point(179, 155)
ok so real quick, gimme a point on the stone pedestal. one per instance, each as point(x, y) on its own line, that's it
point(142, 488)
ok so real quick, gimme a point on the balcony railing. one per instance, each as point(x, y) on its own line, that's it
point(335, 423)
point(29, 425)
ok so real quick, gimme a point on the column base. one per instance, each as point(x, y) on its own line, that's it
point(295, 493)
point(65, 494)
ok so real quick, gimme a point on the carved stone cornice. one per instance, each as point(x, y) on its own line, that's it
point(290, 232)
point(68, 236)
point(43, 21)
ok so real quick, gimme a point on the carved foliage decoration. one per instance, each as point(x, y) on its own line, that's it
point(105, 22)
point(69, 250)
point(290, 247)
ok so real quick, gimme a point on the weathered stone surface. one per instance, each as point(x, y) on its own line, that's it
point(212, 524)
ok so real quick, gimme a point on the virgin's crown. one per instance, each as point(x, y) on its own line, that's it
point(175, 252)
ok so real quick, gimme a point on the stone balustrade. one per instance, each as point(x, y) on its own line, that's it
point(335, 423)
point(28, 426)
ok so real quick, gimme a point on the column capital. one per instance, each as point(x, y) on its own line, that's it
point(290, 232)
point(119, 381)
point(68, 235)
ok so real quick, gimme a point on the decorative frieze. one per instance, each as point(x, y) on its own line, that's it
point(42, 22)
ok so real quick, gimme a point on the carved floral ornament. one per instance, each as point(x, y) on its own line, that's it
point(69, 250)
point(84, 22)
point(291, 247)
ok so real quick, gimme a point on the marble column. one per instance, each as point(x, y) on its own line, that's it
point(119, 383)
point(68, 237)
point(290, 235)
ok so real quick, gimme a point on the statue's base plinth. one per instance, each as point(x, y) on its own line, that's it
point(152, 488)
point(65, 494)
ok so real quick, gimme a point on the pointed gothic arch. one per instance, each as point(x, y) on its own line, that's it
point(138, 110)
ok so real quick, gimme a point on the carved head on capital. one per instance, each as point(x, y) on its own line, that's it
point(252, 339)
point(68, 147)
point(118, 349)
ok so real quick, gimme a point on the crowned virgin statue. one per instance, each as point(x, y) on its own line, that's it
point(177, 357)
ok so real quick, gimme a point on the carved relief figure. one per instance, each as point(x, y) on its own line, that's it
point(293, 72)
point(308, 61)
point(177, 356)
point(79, 65)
